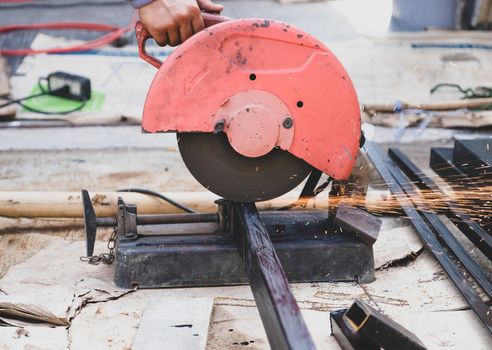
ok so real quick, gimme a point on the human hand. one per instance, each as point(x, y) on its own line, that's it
point(171, 22)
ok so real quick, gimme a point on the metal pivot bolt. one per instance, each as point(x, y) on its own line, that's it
point(288, 123)
point(219, 126)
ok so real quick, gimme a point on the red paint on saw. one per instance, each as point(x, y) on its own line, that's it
point(248, 76)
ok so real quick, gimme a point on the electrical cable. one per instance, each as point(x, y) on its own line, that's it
point(161, 196)
point(19, 100)
point(479, 92)
point(114, 34)
point(43, 92)
point(469, 93)
point(35, 110)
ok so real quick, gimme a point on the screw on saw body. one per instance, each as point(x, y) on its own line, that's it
point(219, 126)
point(288, 123)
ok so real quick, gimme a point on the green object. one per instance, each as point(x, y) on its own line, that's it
point(479, 92)
point(55, 104)
point(468, 93)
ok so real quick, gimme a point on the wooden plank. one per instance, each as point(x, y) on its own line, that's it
point(179, 323)
point(430, 106)
point(69, 204)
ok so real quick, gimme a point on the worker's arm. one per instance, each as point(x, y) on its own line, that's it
point(171, 22)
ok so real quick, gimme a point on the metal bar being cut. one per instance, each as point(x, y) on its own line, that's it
point(471, 229)
point(422, 181)
point(279, 312)
point(387, 169)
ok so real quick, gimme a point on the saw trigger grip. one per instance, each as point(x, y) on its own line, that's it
point(142, 36)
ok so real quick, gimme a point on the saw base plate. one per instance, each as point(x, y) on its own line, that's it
point(210, 257)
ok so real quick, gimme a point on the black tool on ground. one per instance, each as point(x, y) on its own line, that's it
point(434, 234)
point(236, 245)
point(361, 327)
point(71, 86)
point(60, 84)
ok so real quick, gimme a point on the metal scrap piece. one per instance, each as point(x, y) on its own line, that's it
point(369, 323)
point(346, 338)
point(364, 225)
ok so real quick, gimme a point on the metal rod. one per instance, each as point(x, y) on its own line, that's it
point(185, 218)
point(279, 312)
point(160, 219)
point(414, 173)
point(470, 228)
point(387, 169)
point(471, 266)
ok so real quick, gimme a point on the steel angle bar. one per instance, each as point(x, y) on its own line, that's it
point(387, 169)
point(423, 181)
point(371, 324)
point(474, 157)
point(470, 228)
point(279, 312)
point(441, 161)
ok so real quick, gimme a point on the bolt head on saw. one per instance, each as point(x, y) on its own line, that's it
point(257, 104)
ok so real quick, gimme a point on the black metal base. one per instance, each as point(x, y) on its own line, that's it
point(309, 246)
point(238, 245)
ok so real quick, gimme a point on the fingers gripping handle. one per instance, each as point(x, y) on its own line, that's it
point(143, 35)
point(210, 19)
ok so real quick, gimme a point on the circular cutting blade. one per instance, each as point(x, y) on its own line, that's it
point(218, 167)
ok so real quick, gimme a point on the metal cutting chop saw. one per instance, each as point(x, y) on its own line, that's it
point(257, 105)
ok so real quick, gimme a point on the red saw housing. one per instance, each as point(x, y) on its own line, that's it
point(265, 84)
